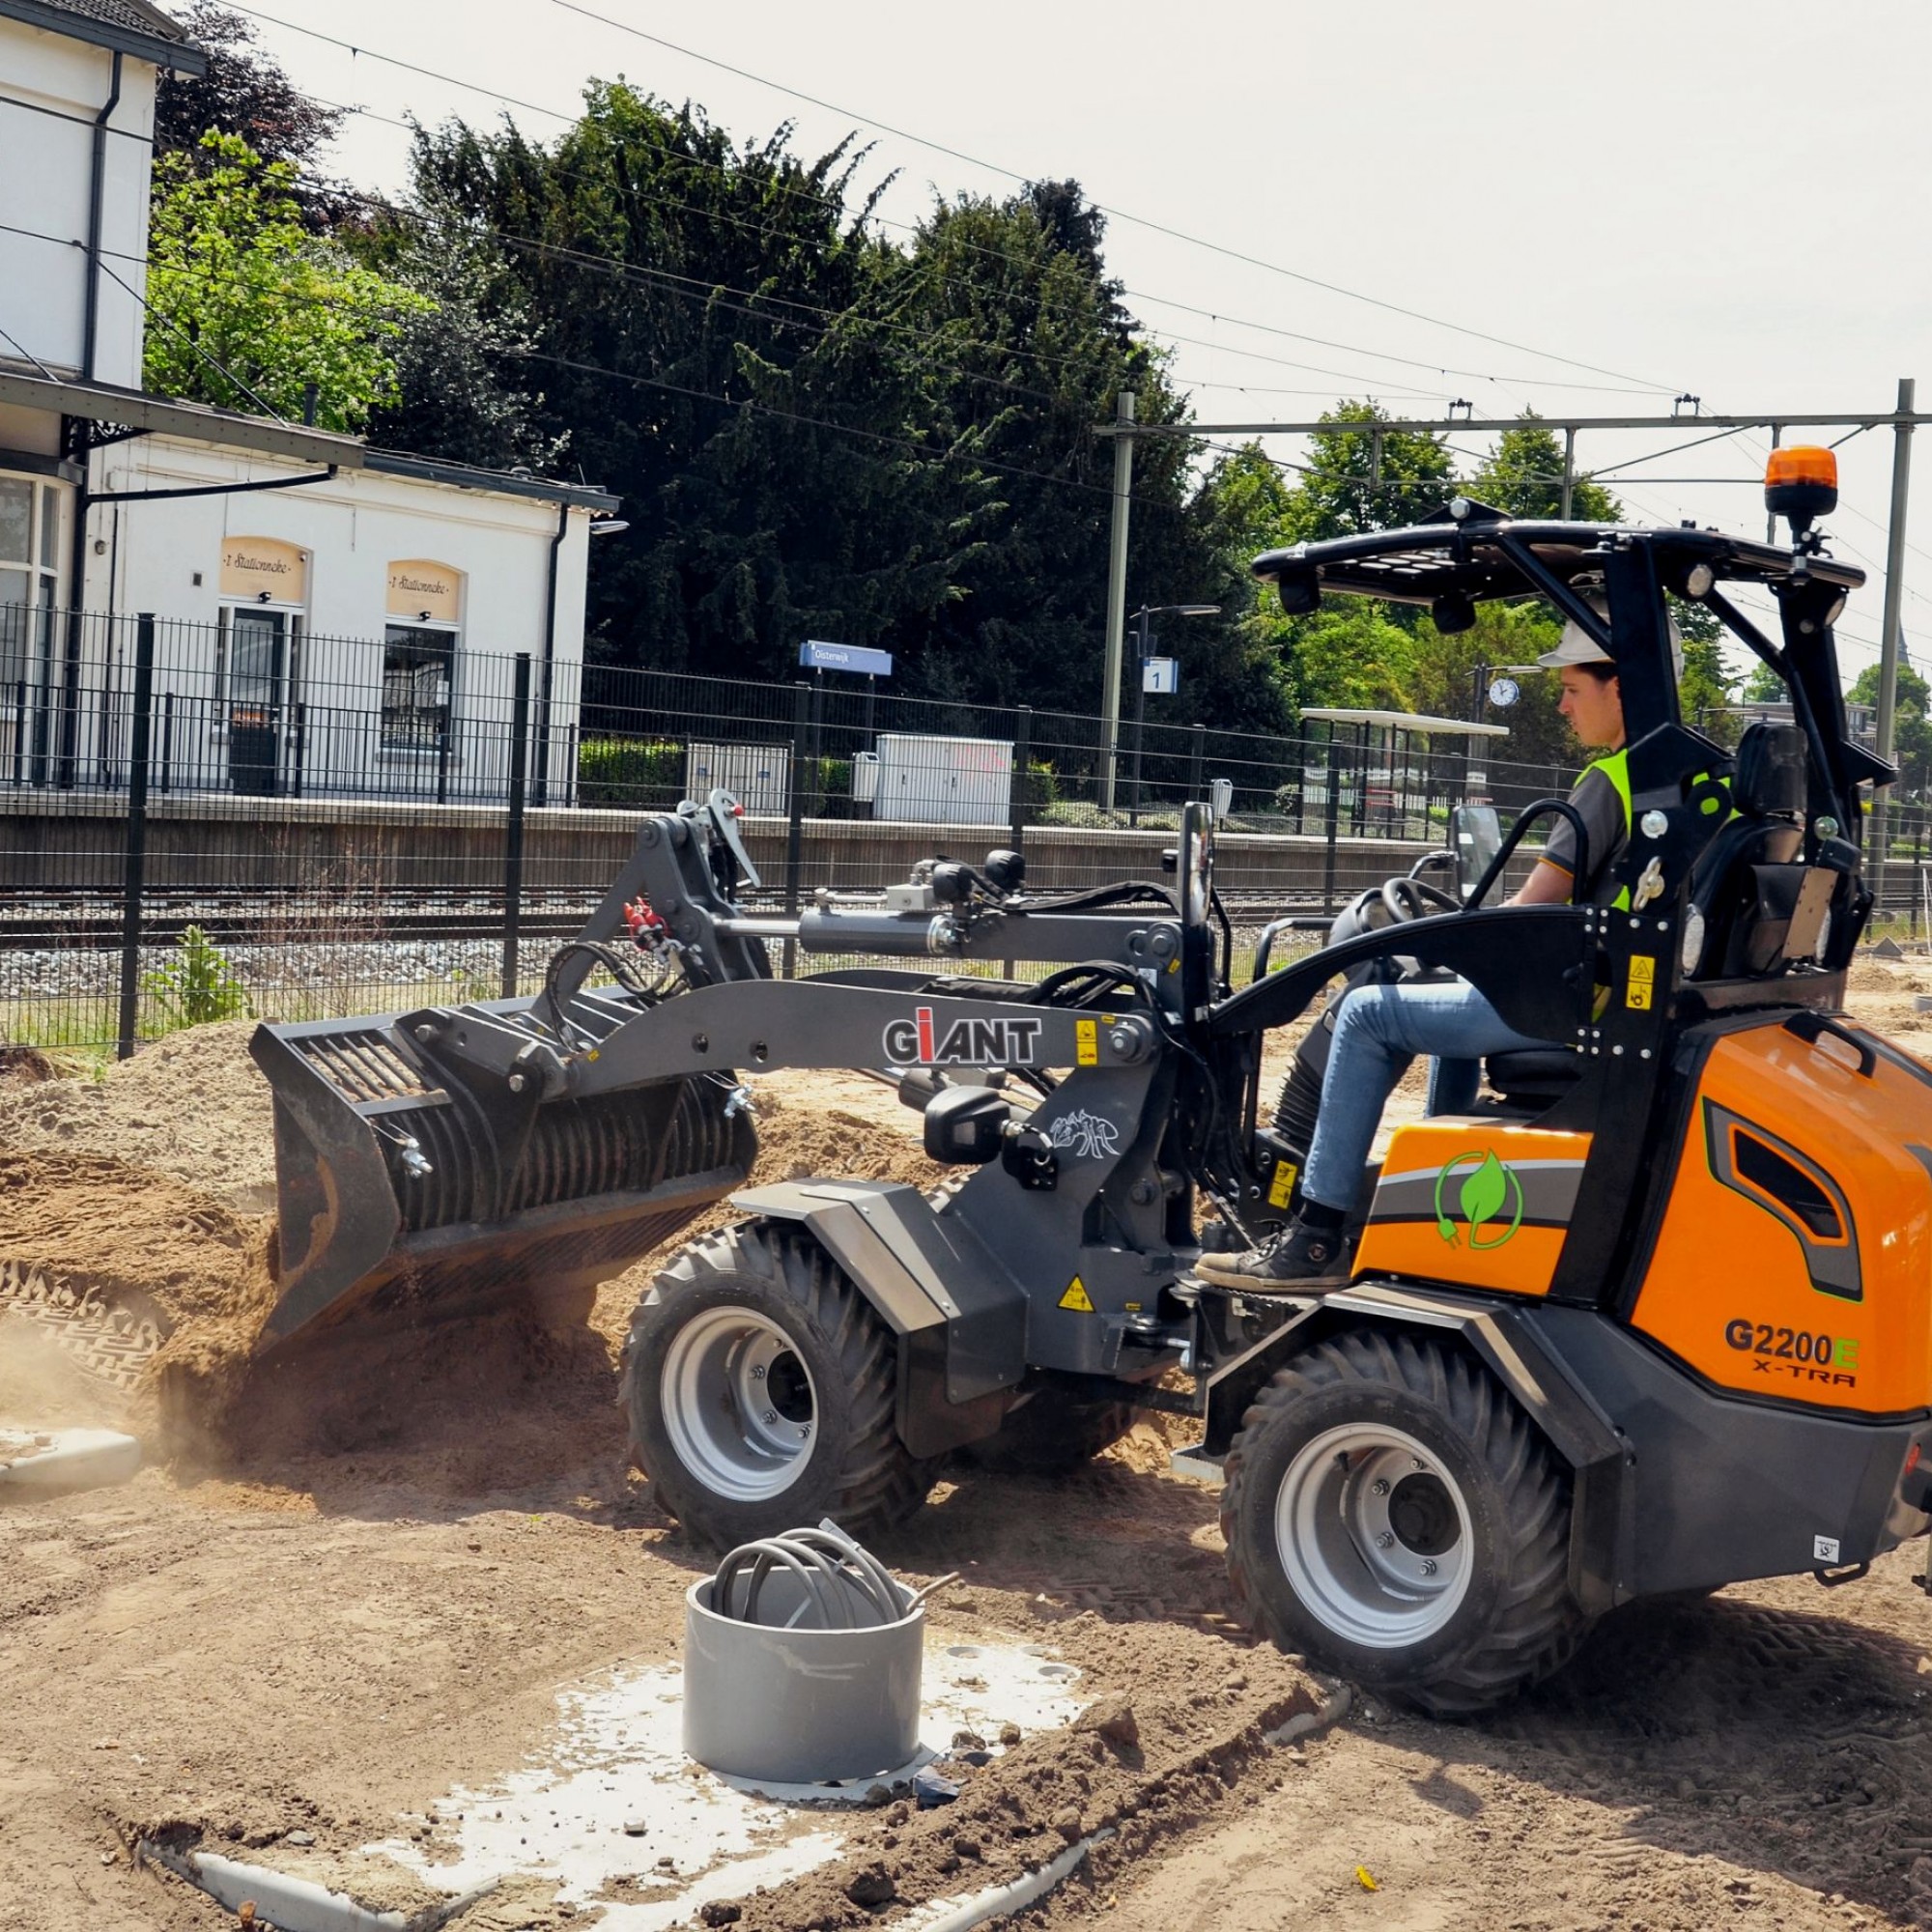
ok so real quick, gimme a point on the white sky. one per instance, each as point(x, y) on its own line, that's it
point(1716, 196)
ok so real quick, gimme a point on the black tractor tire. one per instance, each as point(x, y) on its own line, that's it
point(1049, 1435)
point(762, 1311)
point(1425, 1554)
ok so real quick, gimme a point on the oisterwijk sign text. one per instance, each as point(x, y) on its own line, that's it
point(814, 655)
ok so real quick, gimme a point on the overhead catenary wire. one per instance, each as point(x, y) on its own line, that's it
point(835, 205)
point(754, 403)
point(335, 192)
point(743, 403)
point(1119, 214)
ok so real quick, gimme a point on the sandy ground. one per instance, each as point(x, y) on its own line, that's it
point(321, 1616)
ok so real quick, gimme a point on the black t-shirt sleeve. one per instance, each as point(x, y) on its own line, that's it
point(1602, 814)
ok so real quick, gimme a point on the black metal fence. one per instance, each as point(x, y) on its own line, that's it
point(407, 826)
point(255, 705)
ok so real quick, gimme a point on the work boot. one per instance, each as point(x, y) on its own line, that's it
point(1290, 1257)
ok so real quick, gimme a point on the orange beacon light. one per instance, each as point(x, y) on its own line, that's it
point(1799, 484)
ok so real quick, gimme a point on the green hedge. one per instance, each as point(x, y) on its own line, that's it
point(644, 773)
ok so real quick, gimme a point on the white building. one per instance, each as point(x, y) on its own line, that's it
point(331, 618)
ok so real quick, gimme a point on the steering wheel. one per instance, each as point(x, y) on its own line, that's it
point(1415, 898)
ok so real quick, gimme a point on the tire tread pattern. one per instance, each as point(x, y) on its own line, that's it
point(1537, 1624)
point(877, 1484)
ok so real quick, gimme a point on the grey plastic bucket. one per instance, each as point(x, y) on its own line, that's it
point(800, 1706)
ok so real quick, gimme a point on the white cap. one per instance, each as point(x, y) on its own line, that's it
point(1576, 646)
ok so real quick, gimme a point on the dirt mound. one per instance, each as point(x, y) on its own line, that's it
point(461, 1384)
point(110, 1235)
point(1884, 995)
point(87, 1219)
point(148, 1185)
point(26, 1067)
point(192, 1106)
point(1144, 1768)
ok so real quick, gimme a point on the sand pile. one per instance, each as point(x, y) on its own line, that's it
point(192, 1106)
point(1143, 1769)
point(89, 1220)
point(141, 1242)
point(1882, 994)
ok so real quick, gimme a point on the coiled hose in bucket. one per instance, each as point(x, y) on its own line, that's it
point(838, 1584)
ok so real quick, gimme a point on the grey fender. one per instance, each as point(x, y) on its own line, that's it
point(959, 1318)
point(1503, 1335)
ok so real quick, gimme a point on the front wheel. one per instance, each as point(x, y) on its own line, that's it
point(761, 1391)
point(1390, 1511)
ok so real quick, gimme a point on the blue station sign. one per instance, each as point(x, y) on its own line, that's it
point(813, 655)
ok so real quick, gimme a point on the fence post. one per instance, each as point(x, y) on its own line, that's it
point(801, 718)
point(137, 832)
point(513, 830)
point(1022, 777)
point(1195, 758)
point(1334, 827)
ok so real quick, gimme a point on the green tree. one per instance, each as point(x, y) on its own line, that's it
point(1524, 475)
point(1350, 654)
point(1347, 488)
point(817, 433)
point(1450, 668)
point(1706, 686)
point(1911, 730)
point(1030, 346)
point(245, 299)
point(247, 93)
point(461, 361)
point(696, 366)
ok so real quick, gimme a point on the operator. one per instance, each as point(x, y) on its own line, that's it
point(1379, 1029)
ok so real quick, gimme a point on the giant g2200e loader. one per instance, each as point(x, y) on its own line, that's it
point(1655, 1317)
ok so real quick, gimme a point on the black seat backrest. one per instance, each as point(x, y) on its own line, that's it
point(1771, 772)
point(1750, 884)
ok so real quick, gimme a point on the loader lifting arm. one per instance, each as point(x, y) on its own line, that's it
point(435, 1159)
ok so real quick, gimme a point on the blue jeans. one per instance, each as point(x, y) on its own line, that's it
point(1378, 1030)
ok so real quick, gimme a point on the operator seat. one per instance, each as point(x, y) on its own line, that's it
point(1747, 886)
point(1746, 890)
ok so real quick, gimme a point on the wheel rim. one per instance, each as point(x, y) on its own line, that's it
point(1374, 1535)
point(738, 1404)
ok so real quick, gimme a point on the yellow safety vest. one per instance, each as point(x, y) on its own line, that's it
point(1616, 768)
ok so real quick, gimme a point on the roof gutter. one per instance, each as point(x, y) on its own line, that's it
point(266, 436)
point(97, 199)
point(178, 56)
point(542, 789)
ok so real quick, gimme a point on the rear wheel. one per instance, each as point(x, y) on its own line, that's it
point(1390, 1511)
point(761, 1391)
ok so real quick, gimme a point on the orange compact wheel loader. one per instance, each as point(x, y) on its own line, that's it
point(1655, 1317)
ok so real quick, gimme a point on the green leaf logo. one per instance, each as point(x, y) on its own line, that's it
point(1483, 1193)
point(1489, 1192)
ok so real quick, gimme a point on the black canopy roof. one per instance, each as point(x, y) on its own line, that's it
point(1485, 554)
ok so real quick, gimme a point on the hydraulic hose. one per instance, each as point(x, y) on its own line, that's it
point(843, 1586)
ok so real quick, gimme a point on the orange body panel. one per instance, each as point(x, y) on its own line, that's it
point(1795, 1256)
point(1478, 1203)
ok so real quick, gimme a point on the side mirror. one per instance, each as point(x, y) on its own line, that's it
point(1475, 838)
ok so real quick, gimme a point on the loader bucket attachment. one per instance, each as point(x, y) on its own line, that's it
point(401, 1194)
